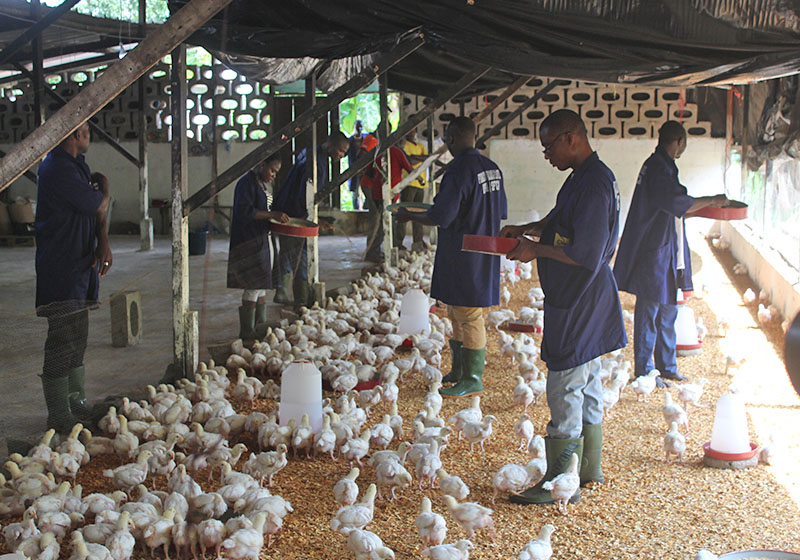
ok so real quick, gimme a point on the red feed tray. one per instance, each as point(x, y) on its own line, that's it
point(517, 326)
point(734, 211)
point(295, 228)
point(488, 245)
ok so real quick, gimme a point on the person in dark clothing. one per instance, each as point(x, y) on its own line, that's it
point(249, 262)
point(352, 155)
point(653, 257)
point(292, 200)
point(72, 253)
point(582, 313)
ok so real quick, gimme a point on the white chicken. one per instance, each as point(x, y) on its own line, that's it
point(611, 396)
point(355, 516)
point(749, 296)
point(462, 417)
point(516, 478)
point(674, 443)
point(345, 491)
point(673, 412)
point(266, 464)
point(81, 550)
point(564, 486)
point(431, 526)
point(303, 437)
point(767, 454)
point(522, 394)
point(452, 485)
point(539, 549)
point(121, 541)
point(325, 439)
point(690, 393)
point(210, 535)
point(457, 551)
point(127, 477)
point(160, 533)
point(523, 430)
point(478, 432)
point(471, 516)
point(391, 475)
point(382, 433)
point(246, 543)
point(366, 545)
point(643, 385)
point(356, 449)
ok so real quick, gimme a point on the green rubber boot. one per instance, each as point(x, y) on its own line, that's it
point(558, 452)
point(261, 314)
point(302, 293)
point(77, 396)
point(282, 293)
point(455, 371)
point(247, 321)
point(471, 382)
point(591, 470)
point(56, 396)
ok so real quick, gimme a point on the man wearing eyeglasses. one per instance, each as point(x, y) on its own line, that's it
point(573, 246)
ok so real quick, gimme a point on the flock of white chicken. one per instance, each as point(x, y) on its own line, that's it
point(180, 430)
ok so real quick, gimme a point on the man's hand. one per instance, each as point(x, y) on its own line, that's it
point(525, 251)
point(719, 201)
point(281, 217)
point(513, 231)
point(100, 182)
point(325, 226)
point(103, 256)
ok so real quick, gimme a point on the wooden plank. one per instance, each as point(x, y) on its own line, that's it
point(111, 83)
point(35, 30)
point(145, 221)
point(383, 133)
point(180, 223)
point(283, 136)
point(312, 243)
point(38, 68)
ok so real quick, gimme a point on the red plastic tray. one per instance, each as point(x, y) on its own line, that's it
point(735, 211)
point(296, 227)
point(754, 449)
point(517, 326)
point(488, 245)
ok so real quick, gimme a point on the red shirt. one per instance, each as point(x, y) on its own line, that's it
point(398, 162)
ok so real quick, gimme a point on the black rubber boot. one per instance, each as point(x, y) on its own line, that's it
point(558, 452)
point(247, 322)
point(454, 376)
point(302, 293)
point(77, 396)
point(261, 313)
point(282, 293)
point(56, 396)
point(471, 382)
point(591, 470)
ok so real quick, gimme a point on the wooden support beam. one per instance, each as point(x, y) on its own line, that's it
point(96, 129)
point(383, 133)
point(312, 245)
point(106, 87)
point(180, 223)
point(510, 117)
point(38, 68)
point(412, 122)
point(30, 175)
point(145, 221)
point(75, 64)
point(35, 30)
point(283, 136)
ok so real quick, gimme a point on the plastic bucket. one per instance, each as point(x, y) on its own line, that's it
point(197, 242)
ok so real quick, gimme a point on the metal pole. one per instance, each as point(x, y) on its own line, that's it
point(146, 222)
point(38, 69)
point(180, 229)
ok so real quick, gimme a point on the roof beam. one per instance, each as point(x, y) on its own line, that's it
point(34, 30)
point(114, 80)
point(73, 65)
point(275, 141)
point(412, 122)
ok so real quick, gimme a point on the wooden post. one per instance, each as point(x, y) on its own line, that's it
point(38, 69)
point(180, 223)
point(114, 80)
point(383, 99)
point(433, 233)
point(146, 222)
point(312, 243)
point(336, 198)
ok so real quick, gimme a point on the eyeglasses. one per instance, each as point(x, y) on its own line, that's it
point(549, 147)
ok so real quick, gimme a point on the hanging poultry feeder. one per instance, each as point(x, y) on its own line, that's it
point(415, 311)
point(301, 393)
point(760, 554)
point(687, 341)
point(730, 446)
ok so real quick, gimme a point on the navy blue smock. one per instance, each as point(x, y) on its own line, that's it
point(646, 262)
point(471, 200)
point(291, 198)
point(66, 235)
point(582, 313)
point(249, 265)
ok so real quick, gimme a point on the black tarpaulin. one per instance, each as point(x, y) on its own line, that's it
point(674, 42)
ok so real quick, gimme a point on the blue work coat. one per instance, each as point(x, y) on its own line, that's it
point(291, 198)
point(646, 263)
point(582, 313)
point(471, 200)
point(66, 235)
point(249, 265)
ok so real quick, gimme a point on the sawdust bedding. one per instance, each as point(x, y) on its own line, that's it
point(645, 510)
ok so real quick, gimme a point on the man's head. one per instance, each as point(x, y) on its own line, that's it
point(77, 143)
point(672, 137)
point(564, 139)
point(460, 135)
point(337, 145)
point(268, 169)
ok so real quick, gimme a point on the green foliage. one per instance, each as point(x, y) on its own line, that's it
point(366, 106)
point(125, 10)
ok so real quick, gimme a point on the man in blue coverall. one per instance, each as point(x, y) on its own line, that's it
point(72, 252)
point(582, 314)
point(653, 257)
point(471, 200)
point(291, 200)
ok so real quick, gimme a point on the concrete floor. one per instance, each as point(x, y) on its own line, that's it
point(125, 371)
